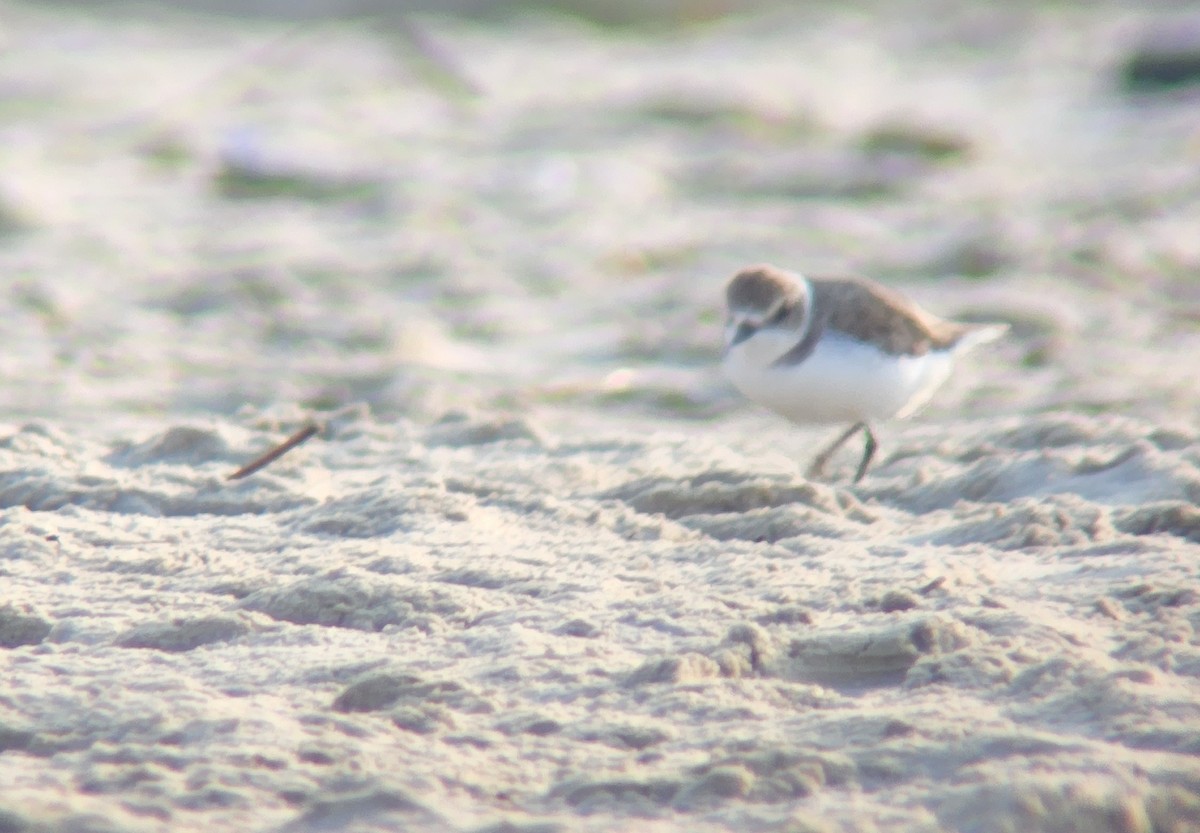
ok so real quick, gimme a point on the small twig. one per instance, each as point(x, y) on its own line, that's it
point(264, 460)
point(434, 63)
point(933, 585)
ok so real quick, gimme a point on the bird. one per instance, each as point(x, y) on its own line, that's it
point(835, 350)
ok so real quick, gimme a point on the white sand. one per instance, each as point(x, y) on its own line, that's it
point(545, 570)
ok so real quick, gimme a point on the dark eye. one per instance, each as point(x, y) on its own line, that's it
point(778, 316)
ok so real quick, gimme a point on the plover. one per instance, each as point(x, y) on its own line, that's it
point(837, 349)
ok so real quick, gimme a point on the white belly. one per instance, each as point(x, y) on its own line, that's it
point(841, 381)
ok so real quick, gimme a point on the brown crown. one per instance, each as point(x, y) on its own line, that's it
point(759, 287)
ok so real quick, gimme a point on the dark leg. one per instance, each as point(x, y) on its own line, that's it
point(868, 452)
point(817, 469)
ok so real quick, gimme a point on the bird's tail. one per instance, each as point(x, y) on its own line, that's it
point(977, 334)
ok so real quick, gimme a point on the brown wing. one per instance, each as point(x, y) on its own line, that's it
point(869, 312)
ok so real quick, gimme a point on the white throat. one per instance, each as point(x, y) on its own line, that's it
point(770, 342)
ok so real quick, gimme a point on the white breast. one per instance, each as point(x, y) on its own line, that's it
point(842, 380)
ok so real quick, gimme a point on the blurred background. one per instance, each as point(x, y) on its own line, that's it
point(209, 205)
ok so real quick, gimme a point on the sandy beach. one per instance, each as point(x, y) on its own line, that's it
point(543, 569)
